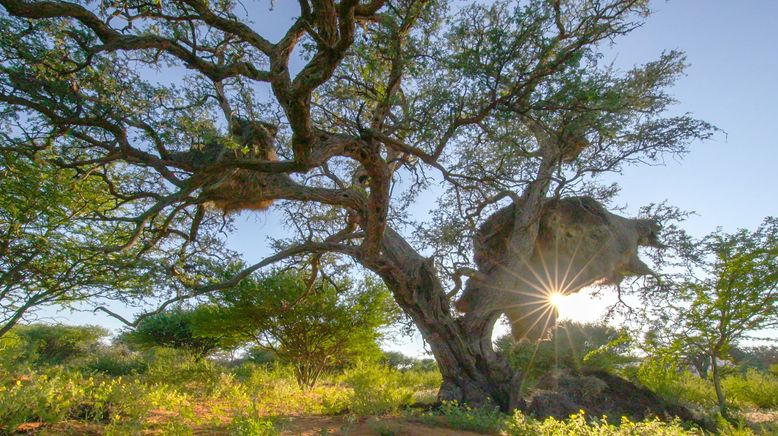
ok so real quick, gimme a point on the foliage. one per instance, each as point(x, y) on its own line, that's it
point(377, 390)
point(660, 373)
point(760, 357)
point(44, 231)
point(177, 367)
point(249, 426)
point(180, 392)
point(174, 328)
point(61, 395)
point(729, 292)
point(491, 421)
point(313, 327)
point(116, 361)
point(579, 424)
point(12, 351)
point(572, 345)
point(399, 361)
point(498, 100)
point(753, 388)
point(46, 344)
point(663, 375)
point(482, 420)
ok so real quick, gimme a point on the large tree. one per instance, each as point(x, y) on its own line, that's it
point(501, 102)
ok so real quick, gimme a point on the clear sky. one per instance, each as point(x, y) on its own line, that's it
point(730, 181)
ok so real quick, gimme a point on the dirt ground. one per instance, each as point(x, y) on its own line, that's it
point(336, 425)
point(318, 425)
point(298, 426)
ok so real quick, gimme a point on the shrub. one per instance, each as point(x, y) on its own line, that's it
point(179, 368)
point(173, 328)
point(660, 374)
point(482, 420)
point(695, 390)
point(753, 388)
point(57, 344)
point(578, 425)
point(12, 349)
point(377, 390)
point(116, 362)
point(65, 394)
point(272, 390)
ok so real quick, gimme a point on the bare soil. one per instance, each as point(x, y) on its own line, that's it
point(298, 426)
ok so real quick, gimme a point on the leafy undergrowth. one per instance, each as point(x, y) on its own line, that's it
point(179, 396)
point(491, 421)
point(174, 398)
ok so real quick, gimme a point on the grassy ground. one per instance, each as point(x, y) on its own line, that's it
point(180, 396)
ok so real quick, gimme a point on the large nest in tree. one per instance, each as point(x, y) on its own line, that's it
point(240, 189)
point(579, 243)
point(235, 189)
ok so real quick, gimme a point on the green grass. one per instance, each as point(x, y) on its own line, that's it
point(174, 393)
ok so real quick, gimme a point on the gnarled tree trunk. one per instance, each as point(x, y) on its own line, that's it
point(472, 372)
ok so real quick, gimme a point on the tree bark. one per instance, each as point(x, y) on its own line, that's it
point(472, 372)
point(717, 385)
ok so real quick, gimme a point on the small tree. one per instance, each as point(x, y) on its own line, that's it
point(175, 329)
point(57, 344)
point(401, 362)
point(735, 295)
point(313, 326)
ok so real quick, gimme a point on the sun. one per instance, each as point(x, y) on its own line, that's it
point(555, 299)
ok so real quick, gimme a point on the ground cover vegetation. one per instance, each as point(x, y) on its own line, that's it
point(68, 379)
point(133, 133)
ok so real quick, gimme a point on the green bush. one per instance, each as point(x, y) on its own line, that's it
point(579, 425)
point(660, 374)
point(116, 362)
point(273, 390)
point(252, 426)
point(58, 344)
point(752, 388)
point(174, 328)
point(65, 394)
point(179, 368)
point(12, 349)
point(482, 420)
point(377, 390)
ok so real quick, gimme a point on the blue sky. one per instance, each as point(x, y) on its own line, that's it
point(730, 181)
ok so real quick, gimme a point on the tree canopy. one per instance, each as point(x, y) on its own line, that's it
point(728, 292)
point(174, 328)
point(165, 106)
